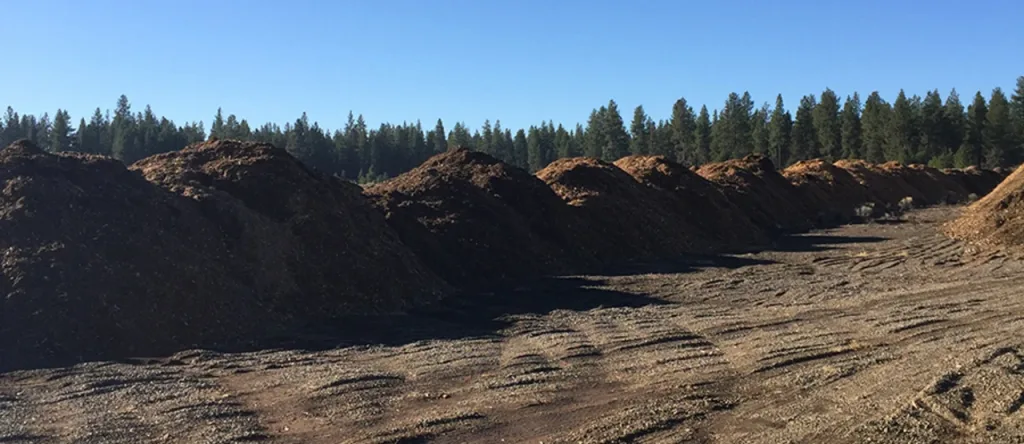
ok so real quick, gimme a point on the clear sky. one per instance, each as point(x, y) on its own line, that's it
point(469, 60)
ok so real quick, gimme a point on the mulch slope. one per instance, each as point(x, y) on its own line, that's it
point(228, 242)
point(297, 232)
point(833, 190)
point(475, 220)
point(996, 220)
point(99, 262)
point(753, 184)
point(699, 203)
point(621, 219)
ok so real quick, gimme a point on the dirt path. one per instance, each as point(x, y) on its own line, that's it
point(889, 333)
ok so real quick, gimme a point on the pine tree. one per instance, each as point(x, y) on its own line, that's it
point(617, 140)
point(595, 136)
point(563, 143)
point(759, 132)
point(123, 130)
point(440, 141)
point(502, 150)
point(903, 131)
point(779, 131)
point(998, 131)
point(1017, 118)
point(875, 128)
point(973, 147)
point(702, 138)
point(12, 127)
point(851, 137)
point(521, 148)
point(828, 127)
point(484, 142)
point(661, 143)
point(739, 118)
point(217, 127)
point(804, 135)
point(933, 128)
point(579, 140)
point(534, 154)
point(640, 139)
point(720, 136)
point(81, 135)
point(460, 137)
point(682, 126)
point(60, 135)
point(956, 121)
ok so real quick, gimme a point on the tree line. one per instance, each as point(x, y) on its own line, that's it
point(941, 132)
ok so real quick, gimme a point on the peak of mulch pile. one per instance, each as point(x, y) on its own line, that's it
point(997, 220)
point(621, 218)
point(475, 220)
point(699, 202)
point(233, 243)
point(886, 186)
point(753, 184)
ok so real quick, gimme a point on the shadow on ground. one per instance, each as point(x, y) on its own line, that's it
point(486, 314)
point(812, 242)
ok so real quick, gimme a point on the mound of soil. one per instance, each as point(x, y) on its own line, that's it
point(309, 242)
point(885, 186)
point(937, 187)
point(475, 220)
point(699, 202)
point(997, 220)
point(981, 181)
point(233, 243)
point(754, 185)
point(622, 219)
point(833, 190)
point(98, 262)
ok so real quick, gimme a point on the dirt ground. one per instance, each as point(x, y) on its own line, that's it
point(886, 333)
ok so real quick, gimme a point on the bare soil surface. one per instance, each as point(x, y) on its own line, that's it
point(887, 333)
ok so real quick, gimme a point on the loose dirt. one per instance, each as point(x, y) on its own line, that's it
point(889, 333)
point(997, 220)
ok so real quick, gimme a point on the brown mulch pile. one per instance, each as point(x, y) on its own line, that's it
point(997, 220)
point(699, 203)
point(226, 244)
point(621, 219)
point(980, 181)
point(754, 185)
point(937, 187)
point(98, 262)
point(475, 220)
point(833, 190)
point(885, 187)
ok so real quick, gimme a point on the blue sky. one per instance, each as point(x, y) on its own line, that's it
point(469, 60)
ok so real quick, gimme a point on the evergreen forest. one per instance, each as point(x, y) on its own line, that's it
point(985, 130)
